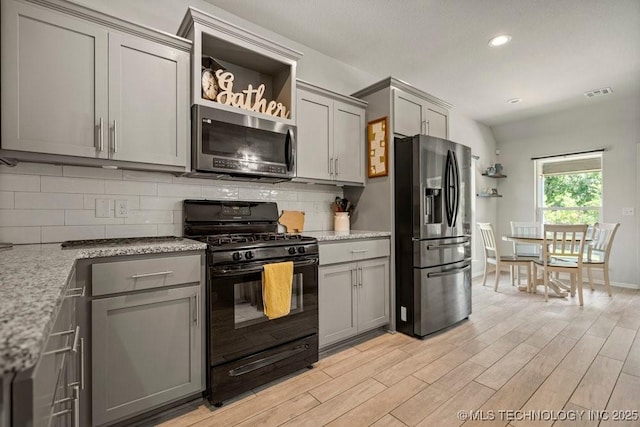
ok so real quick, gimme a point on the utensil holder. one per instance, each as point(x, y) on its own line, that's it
point(341, 221)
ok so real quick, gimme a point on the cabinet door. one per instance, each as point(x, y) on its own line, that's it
point(148, 101)
point(315, 137)
point(337, 303)
point(436, 121)
point(348, 142)
point(54, 82)
point(408, 114)
point(146, 351)
point(373, 295)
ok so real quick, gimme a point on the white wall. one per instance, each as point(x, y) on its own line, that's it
point(43, 203)
point(610, 123)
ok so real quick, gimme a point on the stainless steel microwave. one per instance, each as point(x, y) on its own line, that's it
point(242, 147)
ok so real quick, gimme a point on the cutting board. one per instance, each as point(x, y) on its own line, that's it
point(292, 220)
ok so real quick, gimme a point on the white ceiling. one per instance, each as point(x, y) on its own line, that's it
point(560, 48)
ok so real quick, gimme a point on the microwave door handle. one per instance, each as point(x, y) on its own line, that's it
point(289, 149)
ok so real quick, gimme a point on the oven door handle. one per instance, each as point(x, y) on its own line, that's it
point(238, 271)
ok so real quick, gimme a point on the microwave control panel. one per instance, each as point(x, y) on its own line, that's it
point(248, 166)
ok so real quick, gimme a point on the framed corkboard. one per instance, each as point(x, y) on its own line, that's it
point(377, 141)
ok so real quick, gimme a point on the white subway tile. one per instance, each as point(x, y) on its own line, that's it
point(86, 172)
point(149, 217)
point(23, 217)
point(147, 176)
point(318, 196)
point(9, 182)
point(33, 169)
point(197, 181)
point(221, 192)
point(53, 184)
point(179, 190)
point(6, 200)
point(77, 232)
point(284, 195)
point(170, 230)
point(322, 208)
point(88, 217)
point(160, 203)
point(177, 217)
point(20, 235)
point(48, 201)
point(131, 230)
point(131, 187)
point(259, 194)
point(90, 200)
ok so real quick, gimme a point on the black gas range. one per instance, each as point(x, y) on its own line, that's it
point(245, 348)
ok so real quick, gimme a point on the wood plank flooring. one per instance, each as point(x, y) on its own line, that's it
point(516, 358)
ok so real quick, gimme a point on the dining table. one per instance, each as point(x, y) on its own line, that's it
point(559, 288)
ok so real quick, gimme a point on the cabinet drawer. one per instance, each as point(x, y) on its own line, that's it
point(126, 276)
point(332, 253)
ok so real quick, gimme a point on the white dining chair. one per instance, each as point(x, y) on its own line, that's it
point(598, 251)
point(492, 256)
point(529, 229)
point(562, 252)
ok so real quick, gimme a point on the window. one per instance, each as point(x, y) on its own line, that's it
point(569, 189)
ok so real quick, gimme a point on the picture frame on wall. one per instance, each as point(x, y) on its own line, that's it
point(377, 145)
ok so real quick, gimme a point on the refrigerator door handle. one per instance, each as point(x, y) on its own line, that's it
point(447, 189)
point(448, 245)
point(456, 177)
point(449, 272)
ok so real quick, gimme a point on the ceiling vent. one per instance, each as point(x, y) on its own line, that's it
point(598, 92)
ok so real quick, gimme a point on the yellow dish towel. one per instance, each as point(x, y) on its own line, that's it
point(277, 279)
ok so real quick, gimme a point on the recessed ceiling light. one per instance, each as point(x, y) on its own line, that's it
point(500, 40)
point(514, 100)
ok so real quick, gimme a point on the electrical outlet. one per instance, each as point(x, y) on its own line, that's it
point(628, 212)
point(122, 208)
point(103, 208)
point(403, 313)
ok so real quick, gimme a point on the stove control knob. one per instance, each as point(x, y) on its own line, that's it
point(301, 250)
point(236, 256)
point(292, 250)
point(249, 255)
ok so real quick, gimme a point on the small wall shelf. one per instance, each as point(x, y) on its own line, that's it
point(488, 195)
point(495, 175)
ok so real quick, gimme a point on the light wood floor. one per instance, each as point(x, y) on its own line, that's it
point(515, 352)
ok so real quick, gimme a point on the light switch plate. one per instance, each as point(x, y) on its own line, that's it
point(122, 208)
point(628, 211)
point(103, 208)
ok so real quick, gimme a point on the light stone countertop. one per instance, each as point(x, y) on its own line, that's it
point(330, 236)
point(32, 280)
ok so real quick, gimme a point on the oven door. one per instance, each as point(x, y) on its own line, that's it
point(238, 324)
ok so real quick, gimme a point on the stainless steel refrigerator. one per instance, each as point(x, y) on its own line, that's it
point(432, 234)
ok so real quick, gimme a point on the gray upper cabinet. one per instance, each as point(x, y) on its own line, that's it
point(92, 87)
point(331, 135)
point(148, 101)
point(414, 115)
point(54, 82)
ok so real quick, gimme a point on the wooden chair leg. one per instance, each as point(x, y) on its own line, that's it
point(535, 278)
point(579, 274)
point(605, 272)
point(572, 291)
point(495, 288)
point(529, 283)
point(512, 274)
point(484, 276)
point(546, 285)
point(590, 275)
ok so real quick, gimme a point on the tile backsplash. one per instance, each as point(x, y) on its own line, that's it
point(43, 203)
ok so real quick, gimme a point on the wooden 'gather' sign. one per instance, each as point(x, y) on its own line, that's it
point(248, 99)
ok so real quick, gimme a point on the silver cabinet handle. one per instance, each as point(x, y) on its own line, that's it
point(75, 292)
point(360, 276)
point(73, 348)
point(159, 273)
point(197, 310)
point(115, 136)
point(331, 166)
point(336, 161)
point(100, 136)
point(76, 407)
point(82, 363)
point(355, 282)
point(359, 251)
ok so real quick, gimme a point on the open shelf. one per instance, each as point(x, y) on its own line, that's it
point(488, 195)
point(495, 175)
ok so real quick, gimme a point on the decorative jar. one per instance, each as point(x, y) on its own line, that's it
point(341, 221)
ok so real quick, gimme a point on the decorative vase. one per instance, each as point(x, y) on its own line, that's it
point(341, 221)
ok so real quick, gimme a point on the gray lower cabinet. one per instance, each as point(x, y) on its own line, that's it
point(82, 84)
point(353, 298)
point(146, 335)
point(49, 393)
